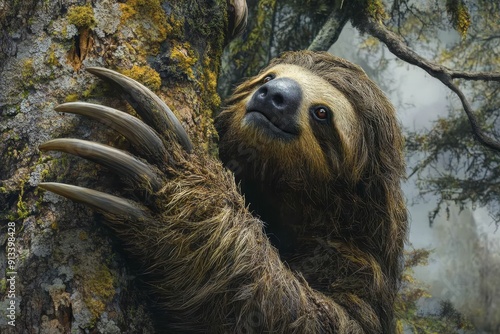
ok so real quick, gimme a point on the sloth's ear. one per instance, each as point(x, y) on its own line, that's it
point(148, 105)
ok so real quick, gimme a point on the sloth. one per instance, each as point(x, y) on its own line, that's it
point(298, 228)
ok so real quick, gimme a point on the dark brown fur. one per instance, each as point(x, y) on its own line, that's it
point(350, 224)
point(330, 200)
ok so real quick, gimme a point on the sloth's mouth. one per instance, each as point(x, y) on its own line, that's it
point(271, 124)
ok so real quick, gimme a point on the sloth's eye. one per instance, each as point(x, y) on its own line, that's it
point(268, 78)
point(321, 113)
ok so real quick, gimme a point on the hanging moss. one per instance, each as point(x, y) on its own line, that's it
point(459, 15)
point(376, 10)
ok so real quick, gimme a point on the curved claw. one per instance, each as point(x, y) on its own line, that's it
point(103, 202)
point(142, 136)
point(151, 108)
point(108, 156)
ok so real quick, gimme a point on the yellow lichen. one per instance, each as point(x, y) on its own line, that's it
point(183, 56)
point(3, 285)
point(27, 72)
point(22, 207)
point(151, 20)
point(82, 16)
point(151, 25)
point(98, 290)
point(71, 98)
point(145, 75)
point(90, 91)
point(51, 58)
point(174, 27)
point(210, 81)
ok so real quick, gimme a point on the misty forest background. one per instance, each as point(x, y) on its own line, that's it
point(451, 284)
point(438, 60)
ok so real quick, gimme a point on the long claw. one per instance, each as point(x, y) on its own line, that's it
point(151, 108)
point(142, 137)
point(108, 156)
point(103, 202)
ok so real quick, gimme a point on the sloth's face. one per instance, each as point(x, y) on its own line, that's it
point(292, 116)
point(287, 101)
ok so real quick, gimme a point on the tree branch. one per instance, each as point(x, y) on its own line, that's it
point(330, 32)
point(442, 73)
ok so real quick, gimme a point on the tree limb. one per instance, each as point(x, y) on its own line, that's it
point(330, 32)
point(440, 72)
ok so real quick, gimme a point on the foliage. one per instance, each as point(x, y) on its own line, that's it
point(454, 166)
point(445, 319)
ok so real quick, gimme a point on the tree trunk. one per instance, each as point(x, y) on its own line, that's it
point(60, 270)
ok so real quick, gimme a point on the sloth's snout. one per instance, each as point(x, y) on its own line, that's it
point(276, 98)
point(275, 107)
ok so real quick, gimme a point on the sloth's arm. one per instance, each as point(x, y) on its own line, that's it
point(207, 258)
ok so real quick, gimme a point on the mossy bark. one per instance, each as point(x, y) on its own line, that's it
point(70, 276)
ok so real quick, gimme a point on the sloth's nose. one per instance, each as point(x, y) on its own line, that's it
point(282, 96)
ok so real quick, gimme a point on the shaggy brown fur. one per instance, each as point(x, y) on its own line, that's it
point(329, 198)
point(336, 187)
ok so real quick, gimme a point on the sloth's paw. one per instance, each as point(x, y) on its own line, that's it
point(150, 136)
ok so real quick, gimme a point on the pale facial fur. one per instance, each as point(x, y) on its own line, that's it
point(315, 92)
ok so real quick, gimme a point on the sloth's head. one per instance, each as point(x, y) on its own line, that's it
point(310, 118)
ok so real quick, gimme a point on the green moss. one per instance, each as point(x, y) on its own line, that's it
point(22, 207)
point(145, 75)
point(90, 91)
point(211, 98)
point(51, 58)
point(376, 9)
point(82, 16)
point(175, 27)
point(27, 72)
point(71, 98)
point(3, 285)
point(83, 236)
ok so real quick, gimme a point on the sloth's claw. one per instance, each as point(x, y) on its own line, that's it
point(151, 108)
point(120, 161)
point(108, 204)
point(140, 135)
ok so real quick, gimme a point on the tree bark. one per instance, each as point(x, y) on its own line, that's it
point(66, 274)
